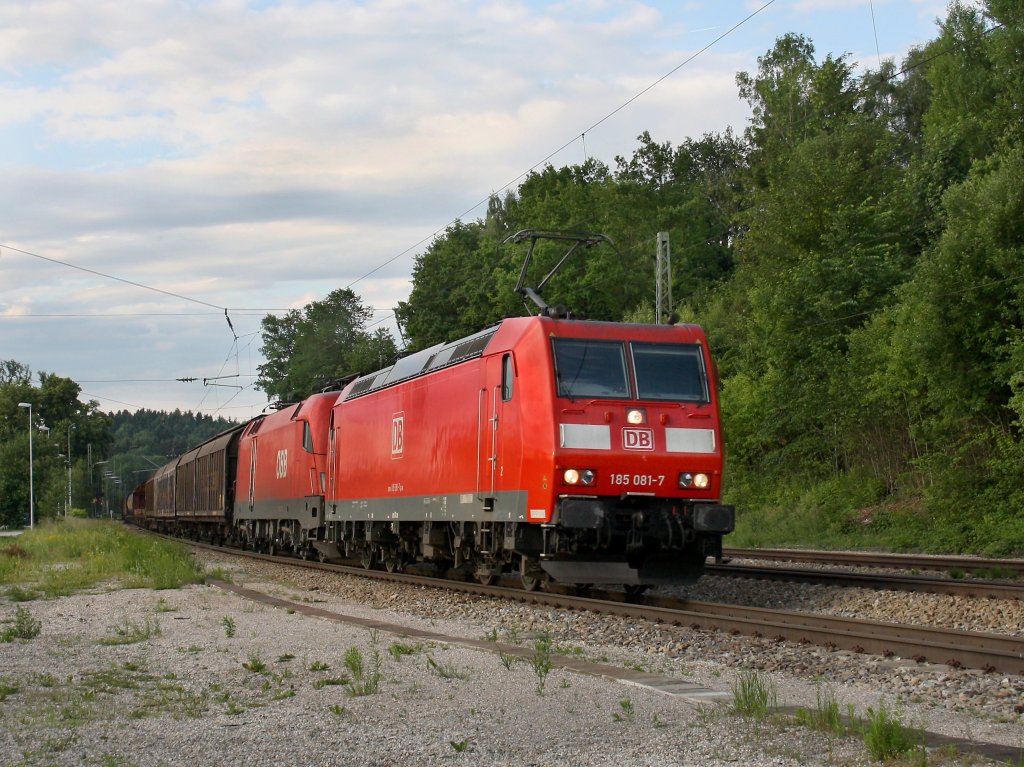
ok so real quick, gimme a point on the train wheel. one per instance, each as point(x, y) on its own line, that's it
point(530, 574)
point(485, 577)
point(367, 558)
point(635, 589)
point(393, 564)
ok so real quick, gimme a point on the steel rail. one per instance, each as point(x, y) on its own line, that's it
point(960, 649)
point(916, 583)
point(880, 560)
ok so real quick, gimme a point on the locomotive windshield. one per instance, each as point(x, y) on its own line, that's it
point(600, 369)
point(590, 368)
point(670, 372)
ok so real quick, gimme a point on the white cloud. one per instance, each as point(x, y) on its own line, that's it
point(260, 155)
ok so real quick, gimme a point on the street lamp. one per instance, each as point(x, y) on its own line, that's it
point(67, 508)
point(31, 479)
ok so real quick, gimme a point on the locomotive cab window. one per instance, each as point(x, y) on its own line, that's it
point(508, 374)
point(307, 437)
point(586, 368)
point(673, 372)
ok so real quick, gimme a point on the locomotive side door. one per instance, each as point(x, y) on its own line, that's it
point(252, 475)
point(494, 396)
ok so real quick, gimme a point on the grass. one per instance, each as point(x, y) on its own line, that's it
point(70, 556)
point(626, 713)
point(886, 737)
point(131, 632)
point(22, 626)
point(364, 681)
point(540, 661)
point(826, 716)
point(446, 670)
point(754, 694)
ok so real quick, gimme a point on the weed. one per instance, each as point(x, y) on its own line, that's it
point(282, 694)
point(512, 633)
point(397, 650)
point(233, 709)
point(459, 745)
point(319, 684)
point(825, 717)
point(885, 735)
point(338, 710)
point(569, 649)
point(24, 626)
point(508, 660)
point(93, 552)
point(319, 665)
point(19, 594)
point(229, 626)
point(491, 636)
point(285, 658)
point(130, 632)
point(446, 671)
point(565, 684)
point(7, 689)
point(541, 659)
point(957, 574)
point(162, 606)
point(363, 682)
point(255, 664)
point(627, 714)
point(754, 694)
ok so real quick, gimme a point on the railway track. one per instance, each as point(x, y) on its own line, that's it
point(961, 649)
point(977, 588)
point(1013, 568)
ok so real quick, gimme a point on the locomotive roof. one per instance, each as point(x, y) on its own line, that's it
point(454, 352)
point(424, 361)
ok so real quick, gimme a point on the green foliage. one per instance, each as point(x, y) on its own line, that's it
point(255, 664)
point(540, 661)
point(68, 557)
point(309, 349)
point(132, 632)
point(229, 626)
point(364, 681)
point(826, 716)
point(22, 626)
point(885, 735)
point(754, 694)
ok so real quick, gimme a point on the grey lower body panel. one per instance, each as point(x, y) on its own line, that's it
point(507, 506)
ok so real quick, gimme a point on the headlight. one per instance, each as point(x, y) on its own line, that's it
point(699, 481)
point(579, 477)
point(636, 416)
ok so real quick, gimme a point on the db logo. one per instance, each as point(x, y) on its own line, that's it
point(282, 464)
point(398, 435)
point(637, 439)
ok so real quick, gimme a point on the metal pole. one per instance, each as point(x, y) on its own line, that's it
point(31, 478)
point(663, 280)
point(67, 508)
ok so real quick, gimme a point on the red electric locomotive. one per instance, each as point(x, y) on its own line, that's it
point(282, 477)
point(585, 451)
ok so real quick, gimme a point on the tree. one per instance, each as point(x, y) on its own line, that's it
point(308, 350)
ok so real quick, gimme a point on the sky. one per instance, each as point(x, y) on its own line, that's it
point(163, 161)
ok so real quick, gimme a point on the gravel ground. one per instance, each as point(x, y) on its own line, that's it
point(194, 690)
